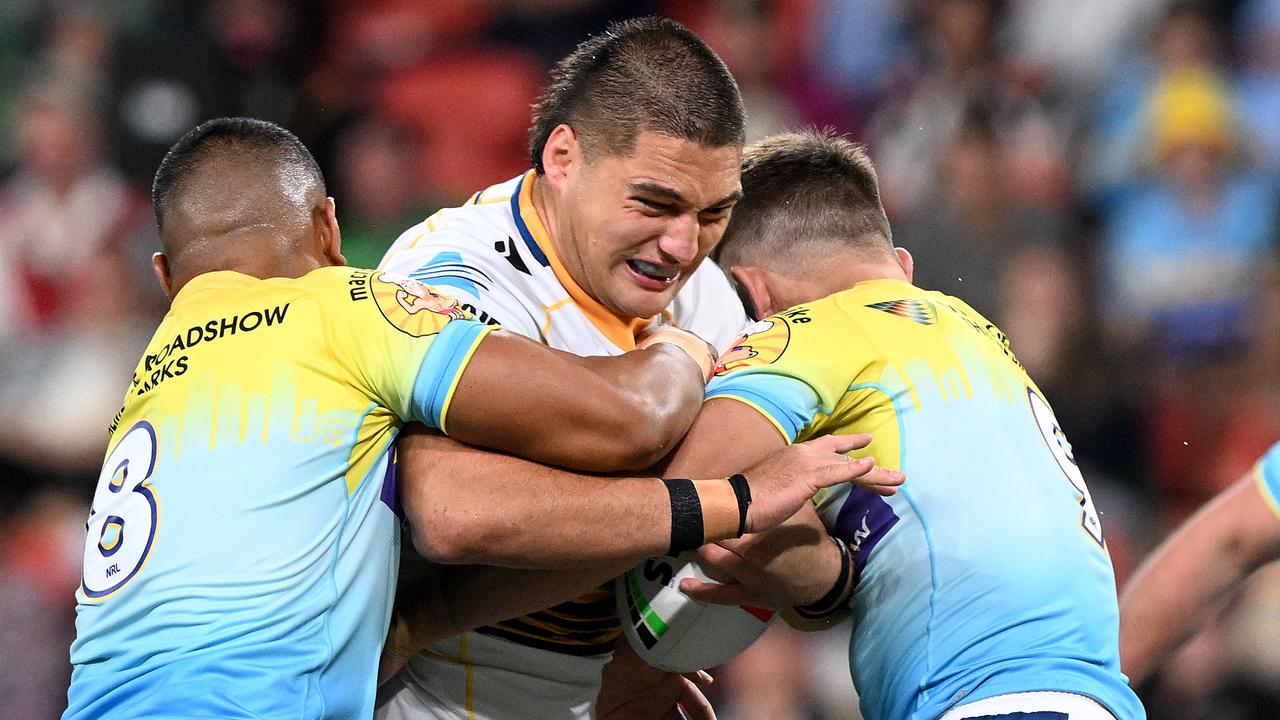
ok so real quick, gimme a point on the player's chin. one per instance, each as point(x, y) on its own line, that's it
point(645, 300)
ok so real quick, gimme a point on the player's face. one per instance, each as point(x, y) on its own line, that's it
point(639, 225)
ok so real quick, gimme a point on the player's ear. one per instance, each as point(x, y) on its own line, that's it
point(906, 261)
point(753, 288)
point(160, 266)
point(561, 155)
point(328, 234)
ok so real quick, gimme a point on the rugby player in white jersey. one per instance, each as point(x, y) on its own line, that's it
point(636, 147)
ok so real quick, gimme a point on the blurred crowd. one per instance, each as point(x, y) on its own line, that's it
point(1099, 177)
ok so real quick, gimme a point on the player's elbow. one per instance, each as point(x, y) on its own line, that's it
point(650, 445)
point(633, 443)
point(450, 543)
point(447, 528)
point(649, 428)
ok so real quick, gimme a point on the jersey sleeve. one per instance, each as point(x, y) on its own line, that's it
point(780, 368)
point(469, 269)
point(405, 343)
point(1267, 472)
point(789, 404)
point(709, 307)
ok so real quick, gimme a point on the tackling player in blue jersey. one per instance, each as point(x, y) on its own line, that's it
point(983, 589)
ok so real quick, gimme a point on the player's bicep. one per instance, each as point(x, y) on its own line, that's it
point(441, 370)
point(727, 436)
point(785, 402)
point(746, 417)
point(522, 397)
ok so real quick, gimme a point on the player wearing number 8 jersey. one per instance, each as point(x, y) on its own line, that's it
point(983, 588)
point(242, 545)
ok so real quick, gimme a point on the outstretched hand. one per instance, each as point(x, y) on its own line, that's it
point(634, 690)
point(792, 564)
point(784, 482)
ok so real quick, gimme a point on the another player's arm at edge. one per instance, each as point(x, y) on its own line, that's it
point(1193, 574)
point(598, 413)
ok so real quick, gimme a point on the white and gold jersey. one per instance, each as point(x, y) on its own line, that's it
point(494, 255)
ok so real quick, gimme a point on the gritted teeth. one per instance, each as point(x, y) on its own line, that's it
point(657, 272)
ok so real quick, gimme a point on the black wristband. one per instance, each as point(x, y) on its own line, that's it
point(742, 491)
point(835, 597)
point(686, 516)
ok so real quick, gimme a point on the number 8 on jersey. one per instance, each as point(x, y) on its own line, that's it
point(124, 516)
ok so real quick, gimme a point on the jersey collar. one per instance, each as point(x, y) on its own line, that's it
point(213, 280)
point(620, 330)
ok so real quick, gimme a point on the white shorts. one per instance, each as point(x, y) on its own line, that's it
point(1066, 706)
point(478, 677)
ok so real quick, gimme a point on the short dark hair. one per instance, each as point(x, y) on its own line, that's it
point(259, 139)
point(805, 187)
point(642, 74)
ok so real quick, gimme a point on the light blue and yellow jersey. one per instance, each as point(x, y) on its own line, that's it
point(988, 572)
point(1267, 474)
point(242, 546)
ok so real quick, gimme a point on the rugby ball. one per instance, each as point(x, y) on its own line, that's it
point(672, 631)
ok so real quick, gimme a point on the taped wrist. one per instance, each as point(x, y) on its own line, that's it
point(835, 598)
point(742, 493)
point(695, 347)
point(704, 511)
point(686, 516)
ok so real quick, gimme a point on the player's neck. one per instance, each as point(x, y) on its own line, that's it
point(544, 204)
point(840, 276)
point(856, 272)
point(272, 258)
point(789, 290)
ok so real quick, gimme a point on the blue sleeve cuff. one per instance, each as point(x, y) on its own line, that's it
point(1269, 477)
point(441, 369)
point(785, 401)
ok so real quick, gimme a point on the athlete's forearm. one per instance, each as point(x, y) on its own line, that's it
point(1192, 575)
point(599, 414)
point(1170, 597)
point(435, 602)
point(468, 506)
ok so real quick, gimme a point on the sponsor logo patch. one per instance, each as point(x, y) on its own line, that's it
point(412, 307)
